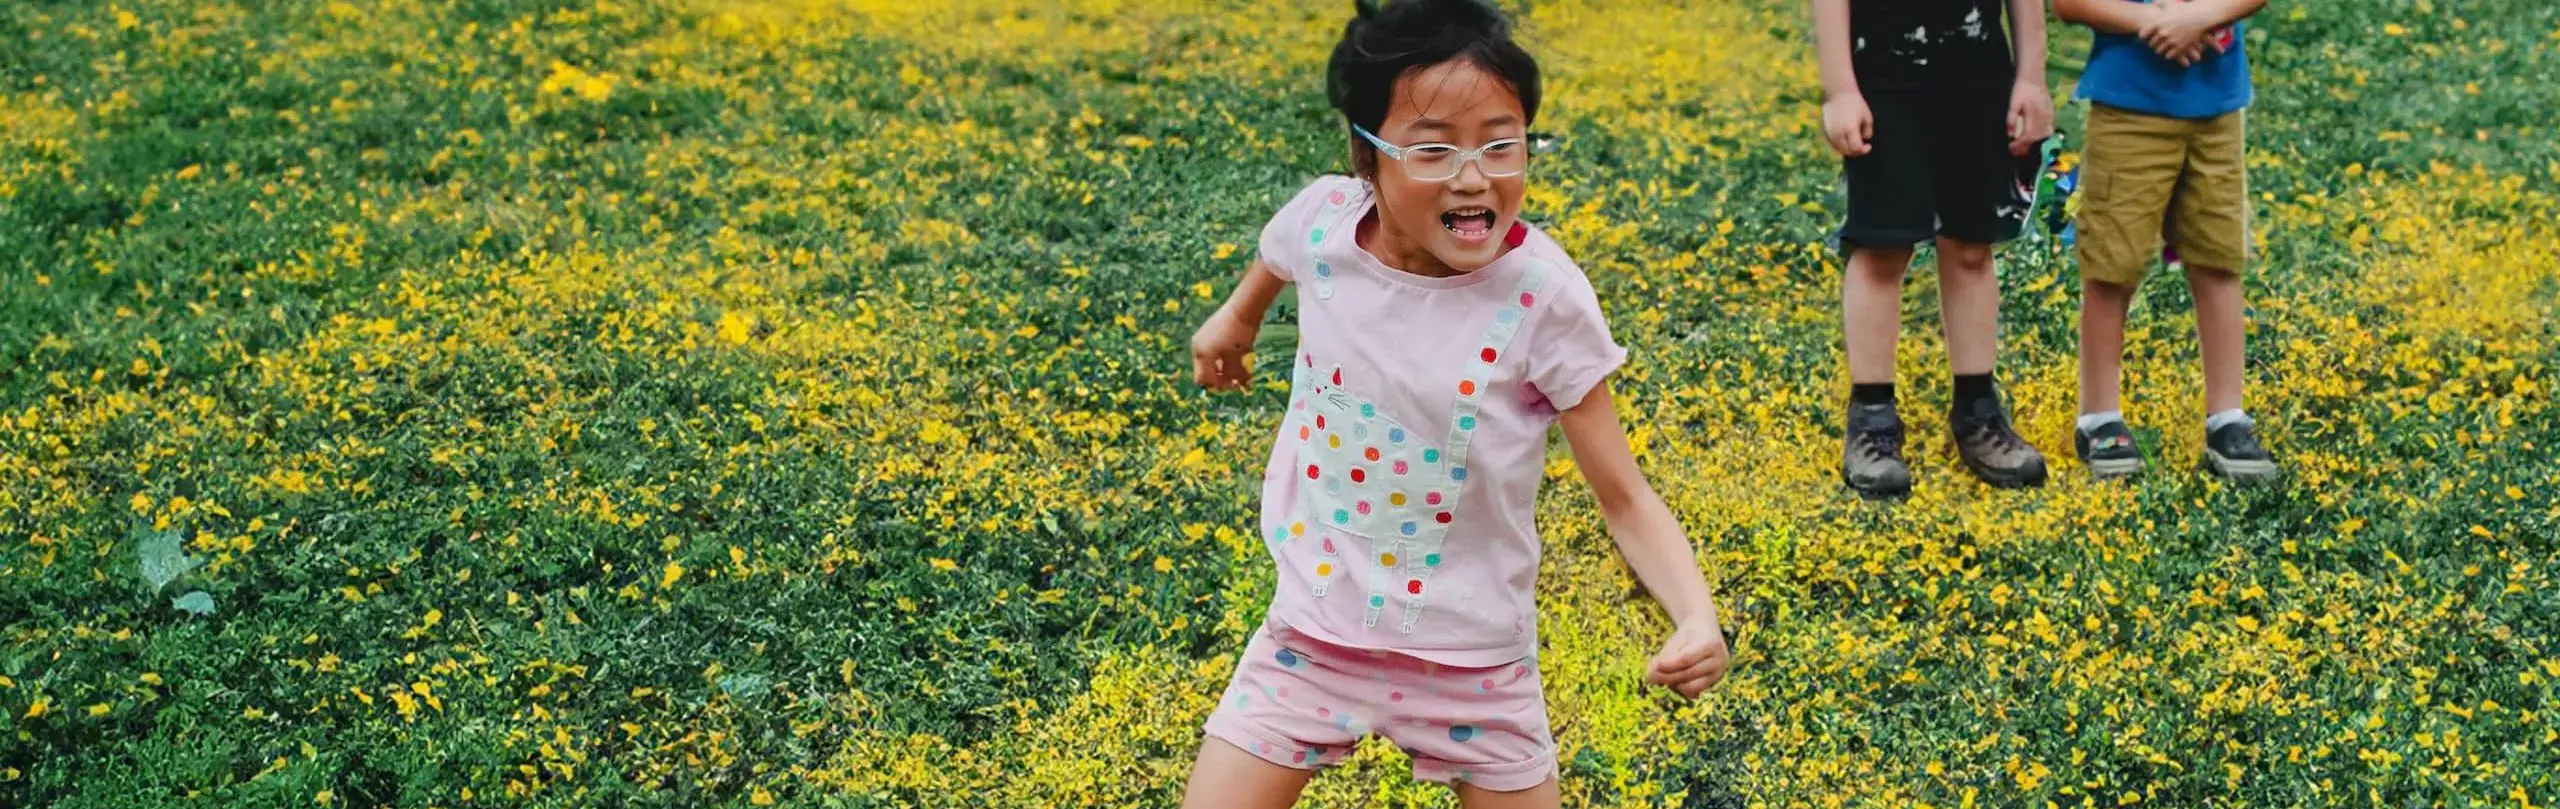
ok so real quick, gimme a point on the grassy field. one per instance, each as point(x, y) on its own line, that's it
point(722, 403)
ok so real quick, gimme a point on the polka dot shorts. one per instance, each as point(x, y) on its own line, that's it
point(1300, 702)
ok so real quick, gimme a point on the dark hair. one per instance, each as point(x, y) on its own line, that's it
point(1381, 45)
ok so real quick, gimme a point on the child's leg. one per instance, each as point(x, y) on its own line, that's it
point(1285, 715)
point(1890, 209)
point(1871, 311)
point(2221, 333)
point(1543, 796)
point(2102, 311)
point(1226, 776)
point(2210, 227)
point(2129, 173)
point(1969, 305)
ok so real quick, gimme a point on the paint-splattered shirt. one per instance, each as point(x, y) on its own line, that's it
point(1928, 44)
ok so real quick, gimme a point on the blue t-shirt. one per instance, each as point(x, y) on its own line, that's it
point(2126, 74)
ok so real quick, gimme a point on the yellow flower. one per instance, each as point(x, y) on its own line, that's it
point(734, 328)
point(945, 565)
point(667, 577)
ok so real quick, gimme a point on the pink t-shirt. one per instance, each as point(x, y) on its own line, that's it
point(1402, 487)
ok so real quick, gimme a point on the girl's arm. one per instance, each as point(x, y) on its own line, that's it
point(1219, 347)
point(1651, 541)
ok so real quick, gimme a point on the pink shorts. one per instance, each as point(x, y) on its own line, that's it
point(1299, 702)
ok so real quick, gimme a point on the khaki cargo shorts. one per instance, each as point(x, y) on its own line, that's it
point(2146, 178)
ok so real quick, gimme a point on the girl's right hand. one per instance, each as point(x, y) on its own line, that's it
point(1849, 124)
point(1218, 351)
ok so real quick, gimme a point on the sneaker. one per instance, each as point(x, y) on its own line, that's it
point(1871, 453)
point(1992, 449)
point(2108, 451)
point(2234, 453)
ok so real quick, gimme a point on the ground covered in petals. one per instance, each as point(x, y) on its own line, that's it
point(689, 403)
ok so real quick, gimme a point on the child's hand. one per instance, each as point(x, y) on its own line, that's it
point(1693, 660)
point(1849, 124)
point(2030, 117)
point(2178, 32)
point(1218, 350)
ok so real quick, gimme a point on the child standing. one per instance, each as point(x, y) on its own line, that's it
point(1929, 112)
point(1440, 340)
point(2168, 85)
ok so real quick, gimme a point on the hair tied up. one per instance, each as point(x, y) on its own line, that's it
point(1365, 8)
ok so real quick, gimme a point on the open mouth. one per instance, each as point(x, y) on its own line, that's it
point(1471, 223)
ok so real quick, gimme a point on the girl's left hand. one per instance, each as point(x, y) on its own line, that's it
point(1693, 660)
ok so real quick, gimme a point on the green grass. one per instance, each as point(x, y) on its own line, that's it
point(803, 416)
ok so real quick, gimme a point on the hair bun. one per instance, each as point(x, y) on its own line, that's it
point(1364, 9)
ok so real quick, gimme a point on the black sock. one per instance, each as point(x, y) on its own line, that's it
point(1867, 393)
point(1972, 388)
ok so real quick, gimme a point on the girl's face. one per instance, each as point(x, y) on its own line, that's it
point(1456, 225)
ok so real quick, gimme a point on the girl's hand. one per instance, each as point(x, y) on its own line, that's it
point(1693, 660)
point(1849, 125)
point(1218, 350)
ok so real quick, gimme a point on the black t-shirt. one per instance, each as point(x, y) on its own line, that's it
point(1916, 44)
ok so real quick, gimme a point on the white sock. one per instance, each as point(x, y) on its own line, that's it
point(2223, 417)
point(2091, 421)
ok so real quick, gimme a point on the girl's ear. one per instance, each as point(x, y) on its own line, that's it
point(1364, 160)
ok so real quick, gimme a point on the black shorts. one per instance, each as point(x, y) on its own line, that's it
point(1939, 166)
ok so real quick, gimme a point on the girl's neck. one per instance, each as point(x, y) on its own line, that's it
point(1401, 254)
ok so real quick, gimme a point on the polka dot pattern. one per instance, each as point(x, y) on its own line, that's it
point(1300, 702)
point(1348, 439)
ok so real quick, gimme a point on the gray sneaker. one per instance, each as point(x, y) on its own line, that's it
point(1992, 449)
point(1871, 453)
point(2234, 453)
point(2108, 451)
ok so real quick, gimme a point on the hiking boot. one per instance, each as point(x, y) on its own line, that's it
point(1991, 448)
point(1871, 453)
point(2109, 451)
point(2233, 452)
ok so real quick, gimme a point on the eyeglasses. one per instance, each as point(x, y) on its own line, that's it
point(1440, 162)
